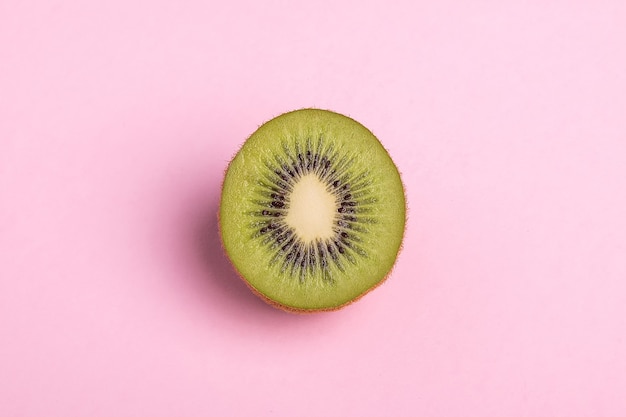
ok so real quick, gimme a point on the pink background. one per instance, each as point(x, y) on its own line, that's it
point(506, 118)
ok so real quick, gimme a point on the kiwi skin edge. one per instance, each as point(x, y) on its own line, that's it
point(301, 311)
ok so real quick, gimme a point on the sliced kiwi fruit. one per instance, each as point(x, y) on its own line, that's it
point(312, 211)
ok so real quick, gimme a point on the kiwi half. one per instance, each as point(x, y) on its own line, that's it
point(312, 211)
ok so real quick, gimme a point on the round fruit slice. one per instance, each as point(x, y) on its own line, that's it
point(312, 212)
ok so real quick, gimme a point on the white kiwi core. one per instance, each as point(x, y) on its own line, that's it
point(312, 209)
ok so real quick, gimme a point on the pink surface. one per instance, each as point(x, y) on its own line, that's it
point(507, 120)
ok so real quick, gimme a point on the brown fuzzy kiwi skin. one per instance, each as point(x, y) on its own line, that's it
point(302, 311)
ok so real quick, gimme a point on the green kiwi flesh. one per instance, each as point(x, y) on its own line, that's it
point(312, 212)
